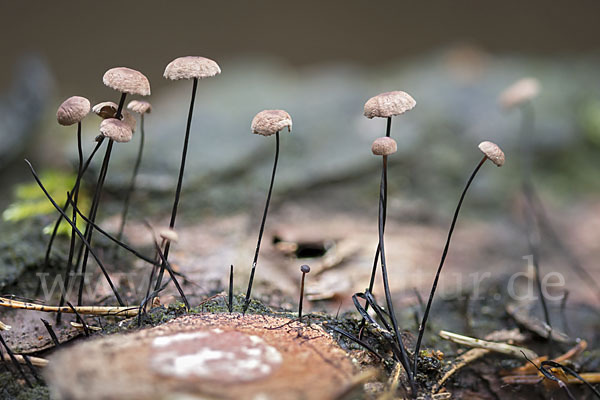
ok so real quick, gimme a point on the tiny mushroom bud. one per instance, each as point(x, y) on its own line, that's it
point(305, 269)
point(115, 129)
point(493, 152)
point(140, 106)
point(519, 92)
point(106, 109)
point(127, 80)
point(384, 146)
point(191, 67)
point(269, 122)
point(72, 110)
point(168, 234)
point(389, 104)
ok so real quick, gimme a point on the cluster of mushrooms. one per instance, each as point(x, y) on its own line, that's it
point(118, 126)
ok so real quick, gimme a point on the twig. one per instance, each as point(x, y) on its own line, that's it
point(503, 348)
point(85, 310)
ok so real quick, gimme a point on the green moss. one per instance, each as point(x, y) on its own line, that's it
point(11, 388)
point(31, 202)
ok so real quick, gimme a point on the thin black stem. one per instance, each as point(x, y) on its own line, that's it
point(60, 217)
point(301, 297)
point(230, 297)
point(131, 187)
point(167, 265)
point(77, 231)
point(388, 132)
point(96, 203)
point(73, 235)
point(388, 296)
point(262, 227)
point(180, 178)
point(92, 217)
point(15, 362)
point(443, 259)
point(80, 319)
point(51, 332)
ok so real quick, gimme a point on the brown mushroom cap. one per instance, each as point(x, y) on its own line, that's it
point(269, 122)
point(519, 92)
point(389, 104)
point(493, 152)
point(191, 67)
point(106, 109)
point(127, 80)
point(72, 110)
point(140, 106)
point(384, 146)
point(117, 130)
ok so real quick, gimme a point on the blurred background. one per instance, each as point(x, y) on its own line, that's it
point(320, 61)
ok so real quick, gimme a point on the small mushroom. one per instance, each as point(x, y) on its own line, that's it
point(73, 110)
point(389, 104)
point(520, 92)
point(269, 122)
point(266, 123)
point(116, 130)
point(190, 67)
point(492, 152)
point(384, 146)
point(126, 81)
point(168, 234)
point(305, 269)
point(385, 105)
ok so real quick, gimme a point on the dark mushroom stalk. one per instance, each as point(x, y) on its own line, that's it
point(384, 147)
point(266, 123)
point(385, 105)
point(305, 269)
point(491, 152)
point(72, 111)
point(194, 68)
point(126, 81)
point(142, 108)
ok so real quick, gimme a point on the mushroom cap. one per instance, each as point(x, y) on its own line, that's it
point(168, 234)
point(127, 80)
point(140, 106)
point(305, 269)
point(191, 67)
point(519, 92)
point(72, 110)
point(117, 130)
point(384, 146)
point(389, 104)
point(493, 152)
point(106, 109)
point(269, 122)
